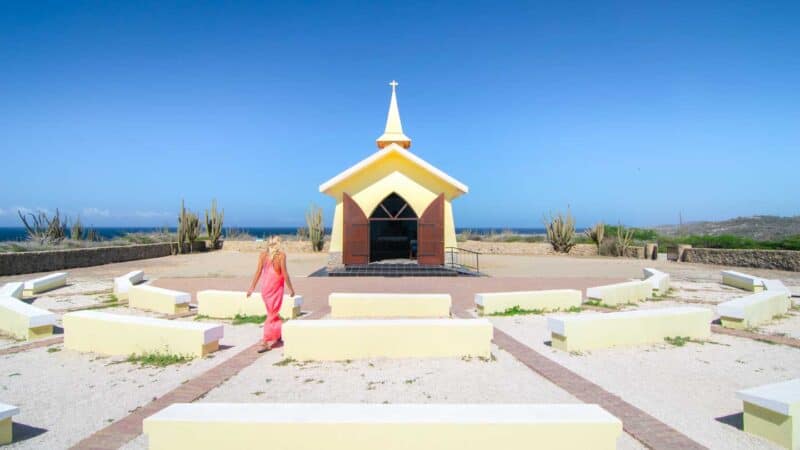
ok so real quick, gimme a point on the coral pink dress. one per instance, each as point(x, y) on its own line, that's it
point(272, 294)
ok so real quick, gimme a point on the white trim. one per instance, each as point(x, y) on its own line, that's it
point(779, 397)
point(7, 411)
point(385, 151)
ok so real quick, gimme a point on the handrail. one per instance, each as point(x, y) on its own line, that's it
point(455, 259)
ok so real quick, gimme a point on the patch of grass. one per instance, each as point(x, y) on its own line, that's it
point(573, 309)
point(111, 298)
point(780, 316)
point(201, 317)
point(158, 359)
point(680, 341)
point(600, 304)
point(284, 362)
point(258, 393)
point(491, 358)
point(240, 319)
point(516, 310)
point(410, 381)
point(53, 350)
point(765, 341)
point(15, 374)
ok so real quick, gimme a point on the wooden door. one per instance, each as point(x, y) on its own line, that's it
point(430, 234)
point(356, 233)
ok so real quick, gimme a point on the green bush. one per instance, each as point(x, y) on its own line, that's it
point(727, 241)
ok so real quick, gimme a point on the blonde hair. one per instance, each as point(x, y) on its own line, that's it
point(273, 247)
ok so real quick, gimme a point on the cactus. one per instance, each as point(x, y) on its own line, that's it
point(184, 220)
point(561, 232)
point(214, 224)
point(624, 240)
point(596, 233)
point(76, 230)
point(44, 229)
point(316, 229)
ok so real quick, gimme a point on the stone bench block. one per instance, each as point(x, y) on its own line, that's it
point(753, 310)
point(621, 293)
point(115, 334)
point(339, 339)
point(123, 284)
point(549, 300)
point(152, 298)
point(24, 321)
point(389, 305)
point(770, 412)
point(659, 281)
point(6, 412)
point(227, 304)
point(45, 283)
point(336, 426)
point(742, 281)
point(13, 290)
point(626, 328)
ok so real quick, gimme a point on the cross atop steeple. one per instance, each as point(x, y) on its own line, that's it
point(393, 134)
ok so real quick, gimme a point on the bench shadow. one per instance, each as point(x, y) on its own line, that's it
point(716, 322)
point(57, 330)
point(734, 420)
point(548, 343)
point(225, 347)
point(321, 272)
point(22, 432)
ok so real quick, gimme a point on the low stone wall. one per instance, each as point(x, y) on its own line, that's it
point(260, 246)
point(524, 248)
point(761, 259)
point(46, 261)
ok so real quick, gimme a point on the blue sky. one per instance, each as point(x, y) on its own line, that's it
point(626, 111)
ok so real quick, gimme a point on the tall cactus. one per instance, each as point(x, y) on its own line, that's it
point(316, 229)
point(214, 224)
point(183, 227)
point(596, 234)
point(561, 232)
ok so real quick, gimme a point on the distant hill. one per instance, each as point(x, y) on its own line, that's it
point(755, 227)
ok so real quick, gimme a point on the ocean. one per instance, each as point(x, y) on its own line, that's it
point(20, 234)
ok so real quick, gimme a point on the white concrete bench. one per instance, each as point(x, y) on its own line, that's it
point(227, 304)
point(742, 281)
point(771, 411)
point(659, 281)
point(338, 339)
point(116, 334)
point(152, 298)
point(45, 283)
point(549, 300)
point(14, 290)
point(389, 305)
point(776, 286)
point(370, 426)
point(602, 330)
point(620, 293)
point(24, 321)
point(753, 310)
point(6, 412)
point(123, 284)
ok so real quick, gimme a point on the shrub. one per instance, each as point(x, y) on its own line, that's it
point(596, 233)
point(214, 224)
point(561, 232)
point(316, 229)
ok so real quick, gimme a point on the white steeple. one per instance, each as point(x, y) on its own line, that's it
point(394, 129)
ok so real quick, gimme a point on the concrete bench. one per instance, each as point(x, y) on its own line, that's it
point(742, 281)
point(45, 283)
point(550, 300)
point(603, 330)
point(771, 411)
point(338, 339)
point(776, 286)
point(753, 310)
point(389, 305)
point(115, 334)
point(227, 304)
point(6, 412)
point(620, 293)
point(152, 298)
point(13, 290)
point(123, 284)
point(659, 281)
point(358, 426)
point(24, 321)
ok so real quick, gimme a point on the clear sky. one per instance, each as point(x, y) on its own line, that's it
point(626, 111)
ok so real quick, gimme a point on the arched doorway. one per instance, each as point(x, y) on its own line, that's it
point(393, 230)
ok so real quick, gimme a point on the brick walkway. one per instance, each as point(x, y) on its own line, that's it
point(32, 345)
point(768, 338)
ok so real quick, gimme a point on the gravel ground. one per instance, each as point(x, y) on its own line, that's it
point(691, 388)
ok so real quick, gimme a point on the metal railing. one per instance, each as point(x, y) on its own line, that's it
point(463, 259)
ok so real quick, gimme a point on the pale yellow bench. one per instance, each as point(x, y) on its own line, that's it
point(659, 281)
point(772, 411)
point(123, 284)
point(6, 427)
point(358, 426)
point(742, 281)
point(45, 283)
point(601, 330)
point(389, 305)
point(549, 300)
point(24, 321)
point(338, 339)
point(754, 309)
point(152, 298)
point(13, 290)
point(620, 293)
point(227, 304)
point(115, 334)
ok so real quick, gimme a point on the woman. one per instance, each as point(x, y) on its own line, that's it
point(272, 273)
